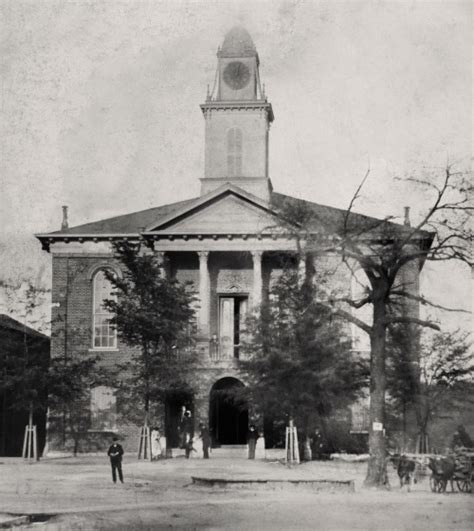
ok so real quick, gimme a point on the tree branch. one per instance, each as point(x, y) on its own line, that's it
point(411, 320)
point(422, 300)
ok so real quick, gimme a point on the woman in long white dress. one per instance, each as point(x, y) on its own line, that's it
point(156, 450)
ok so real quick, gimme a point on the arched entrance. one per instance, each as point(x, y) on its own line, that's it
point(227, 419)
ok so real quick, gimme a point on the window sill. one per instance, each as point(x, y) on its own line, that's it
point(103, 349)
point(110, 430)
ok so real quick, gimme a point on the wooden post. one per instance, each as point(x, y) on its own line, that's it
point(292, 453)
point(144, 448)
point(30, 444)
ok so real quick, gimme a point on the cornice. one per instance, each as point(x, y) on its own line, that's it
point(242, 105)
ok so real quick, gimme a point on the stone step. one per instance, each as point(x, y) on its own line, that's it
point(230, 450)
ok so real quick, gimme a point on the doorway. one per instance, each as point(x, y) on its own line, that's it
point(176, 403)
point(228, 420)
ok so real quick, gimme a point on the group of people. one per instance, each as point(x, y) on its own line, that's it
point(186, 438)
point(186, 433)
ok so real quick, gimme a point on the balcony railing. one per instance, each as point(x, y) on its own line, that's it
point(221, 352)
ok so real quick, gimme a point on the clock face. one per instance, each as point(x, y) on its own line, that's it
point(236, 75)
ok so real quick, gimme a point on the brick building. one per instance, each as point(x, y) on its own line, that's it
point(226, 241)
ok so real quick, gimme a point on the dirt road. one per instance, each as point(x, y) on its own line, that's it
point(79, 494)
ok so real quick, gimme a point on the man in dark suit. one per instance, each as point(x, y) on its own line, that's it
point(115, 453)
point(206, 440)
point(252, 436)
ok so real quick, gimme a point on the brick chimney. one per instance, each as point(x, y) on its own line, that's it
point(406, 220)
point(65, 223)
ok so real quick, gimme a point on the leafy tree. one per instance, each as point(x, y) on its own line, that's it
point(35, 380)
point(445, 369)
point(153, 315)
point(298, 359)
point(69, 380)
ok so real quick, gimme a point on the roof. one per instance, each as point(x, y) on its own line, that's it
point(328, 218)
point(132, 223)
point(238, 43)
point(8, 323)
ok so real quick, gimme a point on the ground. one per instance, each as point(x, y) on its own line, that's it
point(79, 494)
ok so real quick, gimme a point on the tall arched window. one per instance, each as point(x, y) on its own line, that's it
point(234, 152)
point(104, 334)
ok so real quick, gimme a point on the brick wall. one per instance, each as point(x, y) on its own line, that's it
point(72, 298)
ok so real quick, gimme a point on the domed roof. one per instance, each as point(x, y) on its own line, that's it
point(238, 43)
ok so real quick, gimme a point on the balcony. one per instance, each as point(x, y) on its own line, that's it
point(223, 349)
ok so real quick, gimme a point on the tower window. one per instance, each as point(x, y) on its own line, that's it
point(104, 333)
point(234, 152)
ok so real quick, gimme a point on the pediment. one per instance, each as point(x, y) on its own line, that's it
point(228, 213)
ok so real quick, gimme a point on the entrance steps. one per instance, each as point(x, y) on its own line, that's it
point(231, 451)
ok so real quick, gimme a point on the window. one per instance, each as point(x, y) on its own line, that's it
point(234, 152)
point(232, 314)
point(104, 333)
point(103, 409)
point(360, 416)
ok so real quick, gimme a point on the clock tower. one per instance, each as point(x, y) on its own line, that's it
point(238, 118)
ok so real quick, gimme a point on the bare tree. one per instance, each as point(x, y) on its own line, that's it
point(386, 252)
point(391, 255)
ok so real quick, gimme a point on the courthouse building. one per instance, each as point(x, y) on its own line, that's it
point(226, 242)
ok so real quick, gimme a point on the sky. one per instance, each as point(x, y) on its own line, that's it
point(100, 109)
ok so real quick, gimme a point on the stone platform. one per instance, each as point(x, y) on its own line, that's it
point(327, 485)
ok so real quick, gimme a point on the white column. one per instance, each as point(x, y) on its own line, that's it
point(301, 268)
point(257, 278)
point(204, 291)
point(161, 260)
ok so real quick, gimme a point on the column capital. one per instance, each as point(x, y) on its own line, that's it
point(256, 255)
point(203, 255)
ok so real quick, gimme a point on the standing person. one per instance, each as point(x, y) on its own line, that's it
point(318, 444)
point(181, 434)
point(252, 437)
point(187, 427)
point(156, 450)
point(115, 453)
point(189, 448)
point(206, 440)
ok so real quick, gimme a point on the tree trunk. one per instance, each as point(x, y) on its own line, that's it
point(404, 427)
point(76, 444)
point(377, 470)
